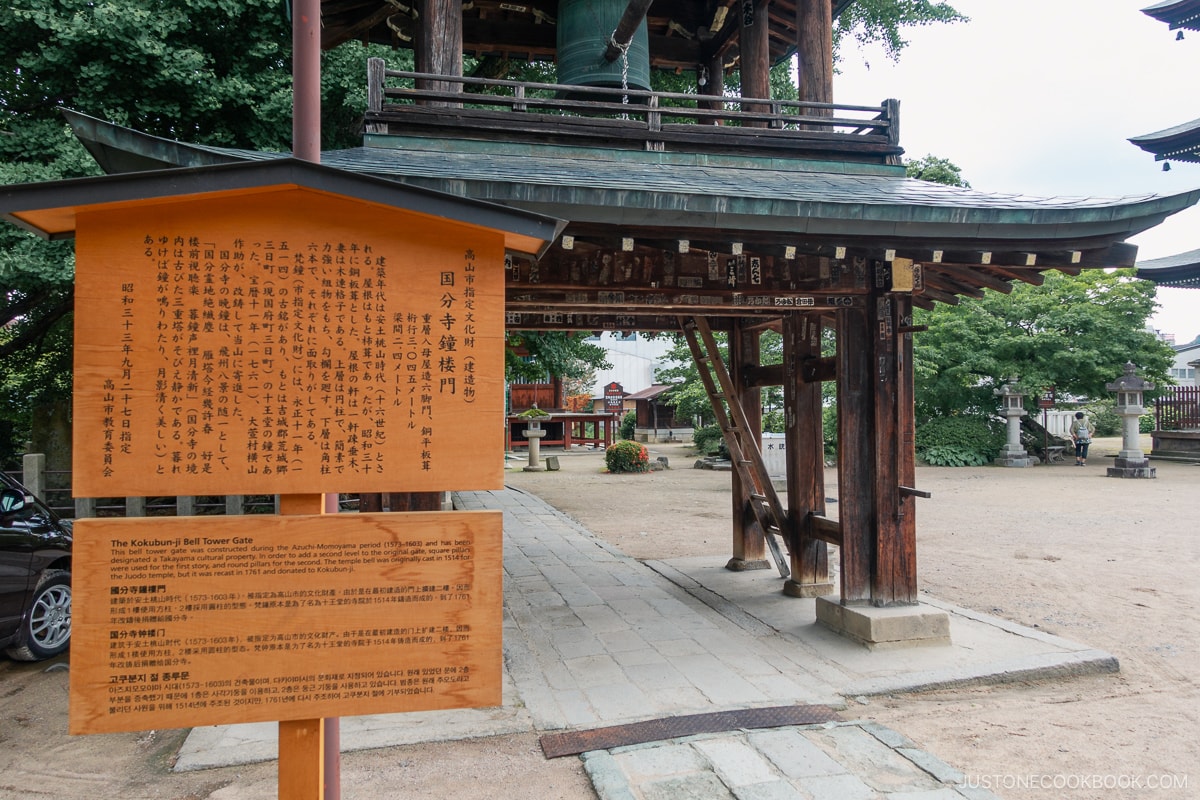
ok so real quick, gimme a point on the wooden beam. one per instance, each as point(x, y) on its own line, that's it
point(635, 12)
point(826, 529)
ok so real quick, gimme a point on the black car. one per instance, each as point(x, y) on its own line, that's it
point(35, 575)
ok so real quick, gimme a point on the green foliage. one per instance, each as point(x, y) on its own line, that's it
point(1075, 332)
point(206, 71)
point(935, 170)
point(882, 22)
point(628, 425)
point(533, 356)
point(708, 440)
point(1146, 423)
point(959, 440)
point(951, 456)
point(829, 420)
point(627, 456)
point(1103, 415)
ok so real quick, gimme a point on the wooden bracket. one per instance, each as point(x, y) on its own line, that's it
point(908, 491)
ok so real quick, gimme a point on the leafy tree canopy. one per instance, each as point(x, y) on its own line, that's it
point(534, 356)
point(1075, 333)
point(936, 170)
point(883, 22)
point(205, 71)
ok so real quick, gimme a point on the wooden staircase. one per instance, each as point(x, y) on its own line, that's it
point(742, 442)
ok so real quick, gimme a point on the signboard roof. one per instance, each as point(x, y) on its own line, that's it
point(49, 209)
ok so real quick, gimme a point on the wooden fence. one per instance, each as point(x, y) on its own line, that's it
point(1178, 409)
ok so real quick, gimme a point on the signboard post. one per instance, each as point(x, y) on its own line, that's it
point(1045, 403)
point(250, 329)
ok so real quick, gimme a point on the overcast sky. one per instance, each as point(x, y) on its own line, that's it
point(1040, 97)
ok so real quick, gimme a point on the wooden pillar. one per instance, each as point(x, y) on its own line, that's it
point(438, 45)
point(814, 50)
point(715, 86)
point(755, 57)
point(856, 451)
point(749, 544)
point(805, 445)
point(876, 454)
point(895, 578)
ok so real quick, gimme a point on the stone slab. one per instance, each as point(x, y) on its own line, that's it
point(881, 628)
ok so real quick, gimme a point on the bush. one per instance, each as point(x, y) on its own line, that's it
point(708, 440)
point(829, 430)
point(1102, 415)
point(959, 441)
point(628, 425)
point(772, 421)
point(1146, 423)
point(627, 456)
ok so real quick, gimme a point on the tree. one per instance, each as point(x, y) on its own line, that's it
point(883, 22)
point(1075, 333)
point(936, 170)
point(532, 356)
point(202, 71)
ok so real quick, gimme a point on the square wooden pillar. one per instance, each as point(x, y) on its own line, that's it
point(805, 445)
point(875, 452)
point(749, 544)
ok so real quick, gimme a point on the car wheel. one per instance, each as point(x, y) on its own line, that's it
point(46, 631)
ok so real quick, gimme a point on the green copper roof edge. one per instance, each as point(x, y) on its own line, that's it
point(384, 141)
point(628, 206)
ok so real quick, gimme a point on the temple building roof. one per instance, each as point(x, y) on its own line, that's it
point(1176, 13)
point(824, 202)
point(1181, 270)
point(1177, 143)
point(724, 233)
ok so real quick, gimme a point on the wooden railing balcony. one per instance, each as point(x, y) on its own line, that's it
point(413, 103)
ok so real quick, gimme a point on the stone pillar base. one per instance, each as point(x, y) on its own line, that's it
point(1014, 461)
point(885, 628)
point(742, 565)
point(793, 589)
point(1132, 468)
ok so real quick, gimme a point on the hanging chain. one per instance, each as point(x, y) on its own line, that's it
point(624, 48)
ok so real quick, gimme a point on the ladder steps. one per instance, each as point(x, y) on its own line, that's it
point(746, 457)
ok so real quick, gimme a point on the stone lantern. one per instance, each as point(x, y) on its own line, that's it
point(1012, 407)
point(1131, 461)
point(534, 433)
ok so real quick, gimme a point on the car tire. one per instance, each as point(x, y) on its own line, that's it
point(46, 630)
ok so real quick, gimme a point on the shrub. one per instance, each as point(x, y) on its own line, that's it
point(1102, 415)
point(959, 441)
point(1146, 423)
point(829, 429)
point(708, 440)
point(628, 425)
point(772, 421)
point(627, 456)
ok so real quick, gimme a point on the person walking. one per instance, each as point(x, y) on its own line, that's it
point(1081, 434)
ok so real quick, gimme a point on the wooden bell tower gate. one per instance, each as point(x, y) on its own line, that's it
point(700, 212)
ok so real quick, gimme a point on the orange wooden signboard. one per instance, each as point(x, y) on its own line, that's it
point(226, 620)
point(284, 342)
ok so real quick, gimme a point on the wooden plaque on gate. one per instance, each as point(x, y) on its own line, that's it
point(284, 342)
